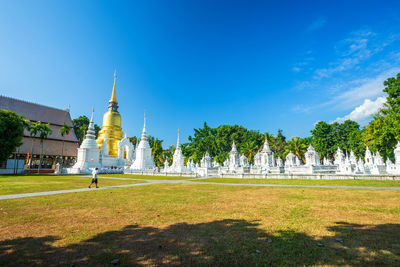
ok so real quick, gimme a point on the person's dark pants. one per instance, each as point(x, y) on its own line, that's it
point(94, 181)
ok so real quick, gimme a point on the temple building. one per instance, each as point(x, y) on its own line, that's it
point(56, 148)
point(111, 125)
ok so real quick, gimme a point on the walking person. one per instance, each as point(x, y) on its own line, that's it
point(94, 177)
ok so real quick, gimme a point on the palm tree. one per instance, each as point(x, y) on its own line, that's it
point(64, 130)
point(249, 148)
point(33, 130)
point(44, 132)
point(297, 146)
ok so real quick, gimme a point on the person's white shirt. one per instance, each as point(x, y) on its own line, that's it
point(94, 173)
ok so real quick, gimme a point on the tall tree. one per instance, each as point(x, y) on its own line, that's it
point(64, 130)
point(383, 132)
point(249, 149)
point(133, 140)
point(218, 142)
point(277, 143)
point(327, 138)
point(324, 139)
point(156, 149)
point(44, 132)
point(33, 130)
point(297, 146)
point(11, 133)
point(81, 125)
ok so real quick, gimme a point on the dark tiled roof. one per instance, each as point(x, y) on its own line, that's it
point(35, 112)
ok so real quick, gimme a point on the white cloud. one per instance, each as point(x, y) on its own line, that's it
point(351, 51)
point(353, 93)
point(317, 24)
point(369, 88)
point(364, 111)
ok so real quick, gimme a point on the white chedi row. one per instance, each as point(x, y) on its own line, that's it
point(264, 162)
point(373, 163)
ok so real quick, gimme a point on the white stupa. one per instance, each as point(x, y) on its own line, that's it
point(267, 156)
point(234, 157)
point(178, 164)
point(88, 152)
point(312, 157)
point(144, 158)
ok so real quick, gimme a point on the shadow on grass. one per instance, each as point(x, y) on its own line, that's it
point(221, 243)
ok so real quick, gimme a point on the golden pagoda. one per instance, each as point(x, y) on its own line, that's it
point(111, 125)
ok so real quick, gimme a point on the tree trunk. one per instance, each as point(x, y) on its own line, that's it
point(62, 155)
point(31, 156)
point(41, 157)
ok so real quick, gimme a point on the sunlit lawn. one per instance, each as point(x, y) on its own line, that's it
point(41, 183)
point(201, 224)
point(379, 183)
point(147, 177)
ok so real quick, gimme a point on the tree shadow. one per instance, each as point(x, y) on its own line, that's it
point(218, 243)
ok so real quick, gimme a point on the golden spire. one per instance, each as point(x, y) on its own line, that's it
point(113, 99)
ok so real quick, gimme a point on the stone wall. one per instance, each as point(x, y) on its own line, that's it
point(315, 176)
point(280, 176)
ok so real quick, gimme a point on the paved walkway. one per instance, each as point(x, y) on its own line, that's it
point(66, 191)
point(188, 181)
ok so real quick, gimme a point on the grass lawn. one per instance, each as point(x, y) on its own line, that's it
point(147, 177)
point(387, 183)
point(41, 183)
point(192, 224)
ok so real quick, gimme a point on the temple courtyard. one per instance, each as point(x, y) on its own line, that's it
point(168, 220)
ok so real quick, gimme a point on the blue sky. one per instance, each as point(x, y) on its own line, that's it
point(266, 65)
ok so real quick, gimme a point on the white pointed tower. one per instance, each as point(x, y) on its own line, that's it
point(144, 158)
point(88, 152)
point(178, 164)
point(267, 156)
point(234, 160)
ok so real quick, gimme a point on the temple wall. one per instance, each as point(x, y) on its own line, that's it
point(315, 176)
point(280, 176)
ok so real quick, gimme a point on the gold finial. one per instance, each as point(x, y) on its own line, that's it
point(145, 114)
point(113, 99)
point(93, 109)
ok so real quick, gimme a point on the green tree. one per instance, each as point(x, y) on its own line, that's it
point(249, 149)
point(64, 130)
point(133, 140)
point(167, 155)
point(324, 139)
point(277, 143)
point(156, 149)
point(297, 146)
point(81, 125)
point(44, 132)
point(12, 128)
point(218, 142)
point(33, 130)
point(383, 132)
